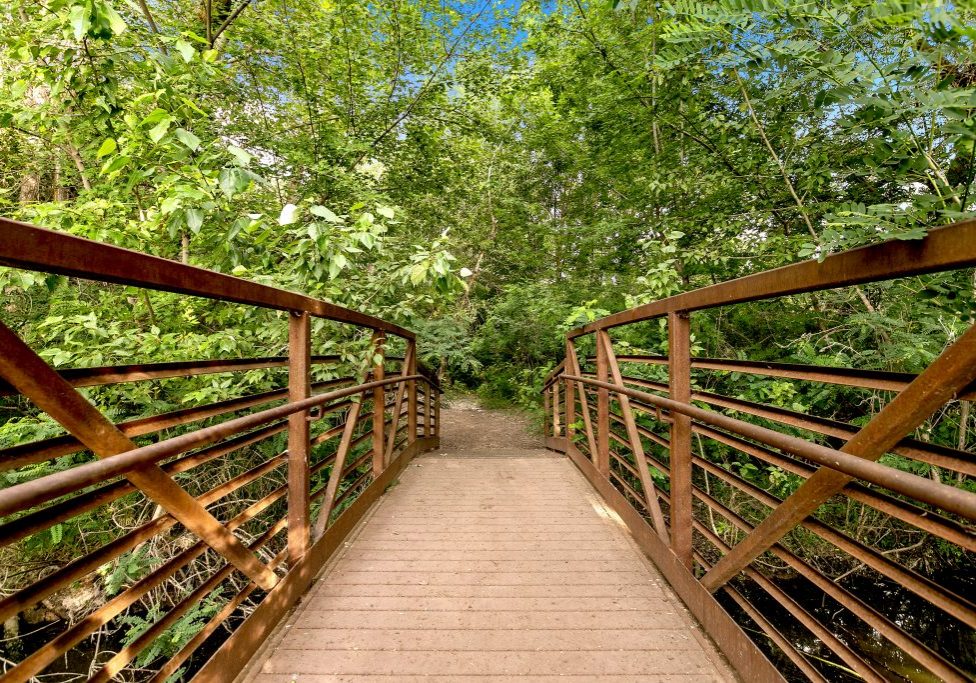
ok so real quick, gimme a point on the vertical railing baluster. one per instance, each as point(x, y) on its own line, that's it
point(555, 409)
point(379, 404)
point(569, 402)
point(679, 382)
point(299, 388)
point(546, 407)
point(428, 407)
point(411, 369)
point(602, 457)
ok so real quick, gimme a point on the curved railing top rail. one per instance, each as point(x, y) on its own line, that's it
point(946, 248)
point(265, 484)
point(711, 476)
point(32, 248)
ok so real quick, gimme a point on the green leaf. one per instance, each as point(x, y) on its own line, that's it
point(158, 132)
point(170, 204)
point(108, 146)
point(194, 220)
point(80, 18)
point(243, 158)
point(418, 273)
point(325, 213)
point(232, 181)
point(385, 211)
point(116, 164)
point(187, 138)
point(154, 117)
point(238, 225)
point(115, 22)
point(186, 50)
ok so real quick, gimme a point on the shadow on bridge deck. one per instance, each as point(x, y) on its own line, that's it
point(480, 567)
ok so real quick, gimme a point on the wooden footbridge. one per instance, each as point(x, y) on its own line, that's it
point(314, 529)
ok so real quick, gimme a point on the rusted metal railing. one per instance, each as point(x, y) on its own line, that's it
point(250, 544)
point(649, 445)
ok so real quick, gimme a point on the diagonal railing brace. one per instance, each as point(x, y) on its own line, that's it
point(633, 435)
point(942, 381)
point(31, 376)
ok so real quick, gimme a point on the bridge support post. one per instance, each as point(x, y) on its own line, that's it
point(379, 403)
point(299, 388)
point(428, 407)
point(556, 432)
point(679, 381)
point(546, 410)
point(602, 456)
point(411, 369)
point(569, 399)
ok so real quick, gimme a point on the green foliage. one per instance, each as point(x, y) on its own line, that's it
point(490, 177)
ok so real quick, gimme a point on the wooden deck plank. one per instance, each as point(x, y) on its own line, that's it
point(490, 569)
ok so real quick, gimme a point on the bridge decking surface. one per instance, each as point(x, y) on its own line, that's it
point(489, 569)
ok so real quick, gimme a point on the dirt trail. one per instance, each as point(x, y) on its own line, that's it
point(469, 429)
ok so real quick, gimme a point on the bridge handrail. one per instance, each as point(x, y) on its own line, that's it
point(632, 435)
point(262, 521)
point(947, 248)
point(29, 247)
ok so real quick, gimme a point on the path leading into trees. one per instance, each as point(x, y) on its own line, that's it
point(491, 559)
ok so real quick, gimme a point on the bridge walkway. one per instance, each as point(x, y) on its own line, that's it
point(489, 563)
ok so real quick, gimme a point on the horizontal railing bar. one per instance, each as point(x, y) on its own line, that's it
point(82, 566)
point(361, 460)
point(553, 375)
point(926, 520)
point(172, 664)
point(852, 377)
point(933, 454)
point(131, 650)
point(626, 465)
point(120, 374)
point(47, 449)
point(643, 431)
point(838, 647)
point(44, 518)
point(947, 248)
point(188, 462)
point(770, 631)
point(44, 656)
point(31, 248)
point(918, 650)
point(630, 491)
point(940, 495)
point(788, 648)
point(56, 484)
point(352, 488)
point(951, 603)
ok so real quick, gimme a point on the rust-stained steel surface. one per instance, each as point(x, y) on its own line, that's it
point(729, 531)
point(227, 505)
point(32, 248)
point(486, 568)
point(945, 248)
